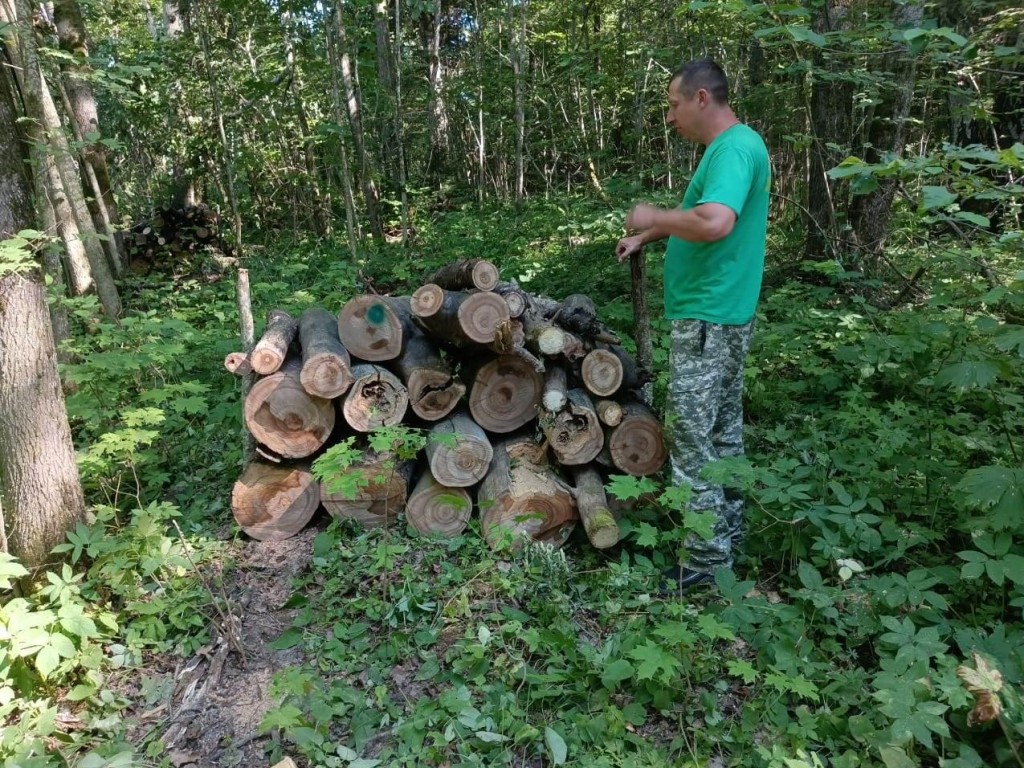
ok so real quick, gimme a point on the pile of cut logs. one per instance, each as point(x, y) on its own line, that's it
point(169, 232)
point(528, 404)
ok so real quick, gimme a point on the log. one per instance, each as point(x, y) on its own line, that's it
point(633, 376)
point(574, 433)
point(458, 451)
point(573, 349)
point(459, 318)
point(578, 314)
point(545, 338)
point(637, 445)
point(470, 273)
point(374, 328)
point(609, 412)
point(514, 296)
point(433, 391)
point(601, 372)
point(326, 365)
point(284, 417)
point(372, 491)
point(521, 499)
point(271, 350)
point(504, 393)
point(377, 399)
point(272, 503)
point(598, 521)
point(555, 388)
point(238, 363)
point(435, 510)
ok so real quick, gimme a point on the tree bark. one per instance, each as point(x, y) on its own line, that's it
point(273, 503)
point(521, 497)
point(283, 417)
point(458, 451)
point(504, 394)
point(326, 364)
point(436, 510)
point(40, 491)
point(459, 318)
point(468, 273)
point(598, 521)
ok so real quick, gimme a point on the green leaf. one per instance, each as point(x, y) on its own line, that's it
point(805, 35)
point(936, 197)
point(973, 374)
point(1013, 568)
point(47, 660)
point(625, 487)
point(81, 692)
point(1011, 338)
point(615, 673)
point(289, 639)
point(490, 737)
point(713, 629)
point(742, 669)
point(999, 489)
point(894, 757)
point(655, 662)
point(555, 745)
point(973, 218)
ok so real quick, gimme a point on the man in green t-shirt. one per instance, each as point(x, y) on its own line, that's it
point(714, 263)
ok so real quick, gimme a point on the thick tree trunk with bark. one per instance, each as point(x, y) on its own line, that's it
point(284, 417)
point(504, 394)
point(374, 490)
point(377, 399)
point(522, 497)
point(326, 364)
point(436, 510)
point(271, 503)
point(458, 451)
point(40, 491)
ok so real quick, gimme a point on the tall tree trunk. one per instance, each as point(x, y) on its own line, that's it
point(337, 113)
point(84, 117)
point(353, 108)
point(870, 213)
point(400, 125)
point(40, 491)
point(440, 142)
point(831, 118)
point(518, 52)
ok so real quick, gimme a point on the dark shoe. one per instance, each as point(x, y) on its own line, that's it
point(677, 580)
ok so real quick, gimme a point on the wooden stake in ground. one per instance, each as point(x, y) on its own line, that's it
point(471, 273)
point(376, 489)
point(637, 445)
point(373, 328)
point(326, 365)
point(641, 318)
point(574, 433)
point(458, 451)
point(272, 503)
point(434, 510)
point(598, 521)
point(270, 352)
point(248, 342)
point(433, 390)
point(377, 399)
point(284, 417)
point(504, 394)
point(522, 497)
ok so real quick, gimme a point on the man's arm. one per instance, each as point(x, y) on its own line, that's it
point(704, 224)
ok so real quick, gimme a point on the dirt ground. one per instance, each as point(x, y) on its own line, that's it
point(211, 705)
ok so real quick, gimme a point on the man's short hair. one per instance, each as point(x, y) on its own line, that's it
point(702, 73)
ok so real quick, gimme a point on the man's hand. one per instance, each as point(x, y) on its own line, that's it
point(642, 216)
point(629, 246)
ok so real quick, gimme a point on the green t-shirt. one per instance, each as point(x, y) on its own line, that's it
point(720, 282)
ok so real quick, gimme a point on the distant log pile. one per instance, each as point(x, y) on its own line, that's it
point(528, 404)
point(171, 232)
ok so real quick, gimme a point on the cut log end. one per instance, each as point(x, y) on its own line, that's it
point(272, 503)
point(505, 394)
point(434, 510)
point(284, 417)
point(637, 445)
point(370, 329)
point(601, 372)
point(481, 315)
point(376, 399)
point(375, 491)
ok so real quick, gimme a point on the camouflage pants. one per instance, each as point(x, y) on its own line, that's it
point(705, 403)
